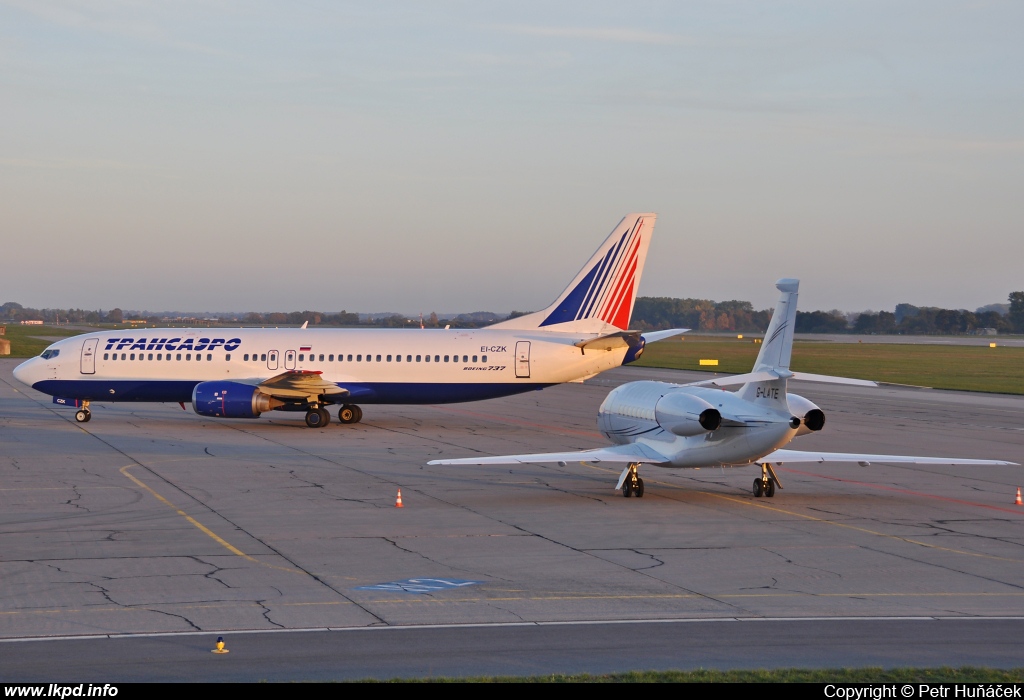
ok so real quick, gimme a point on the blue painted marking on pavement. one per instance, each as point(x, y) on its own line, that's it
point(420, 585)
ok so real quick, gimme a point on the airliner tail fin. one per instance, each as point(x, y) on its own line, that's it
point(600, 298)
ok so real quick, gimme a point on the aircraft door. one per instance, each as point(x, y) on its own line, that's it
point(272, 359)
point(89, 356)
point(523, 359)
point(289, 359)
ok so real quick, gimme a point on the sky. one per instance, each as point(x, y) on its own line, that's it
point(465, 156)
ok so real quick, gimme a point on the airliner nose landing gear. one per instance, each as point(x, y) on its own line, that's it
point(350, 413)
point(83, 415)
point(632, 484)
point(766, 483)
point(317, 417)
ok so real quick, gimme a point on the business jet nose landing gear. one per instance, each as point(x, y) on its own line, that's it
point(632, 484)
point(83, 415)
point(766, 483)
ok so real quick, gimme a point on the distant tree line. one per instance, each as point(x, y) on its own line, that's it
point(652, 313)
point(649, 313)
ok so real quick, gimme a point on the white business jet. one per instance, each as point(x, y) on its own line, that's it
point(243, 372)
point(702, 425)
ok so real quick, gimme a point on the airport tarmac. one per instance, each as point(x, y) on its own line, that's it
point(152, 520)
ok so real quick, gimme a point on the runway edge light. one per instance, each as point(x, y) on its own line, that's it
point(220, 647)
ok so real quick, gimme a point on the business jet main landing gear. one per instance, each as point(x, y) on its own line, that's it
point(350, 413)
point(317, 417)
point(632, 484)
point(83, 415)
point(766, 483)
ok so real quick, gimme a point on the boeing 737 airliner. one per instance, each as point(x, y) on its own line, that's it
point(243, 372)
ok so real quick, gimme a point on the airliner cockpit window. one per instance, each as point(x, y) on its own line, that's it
point(50, 354)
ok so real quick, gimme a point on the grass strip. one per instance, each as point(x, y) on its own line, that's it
point(961, 367)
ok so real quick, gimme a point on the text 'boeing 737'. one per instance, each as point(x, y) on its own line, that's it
point(702, 425)
point(243, 372)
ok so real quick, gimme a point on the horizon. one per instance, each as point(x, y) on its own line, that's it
point(277, 156)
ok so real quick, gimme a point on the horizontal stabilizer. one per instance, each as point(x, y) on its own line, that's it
point(807, 377)
point(621, 454)
point(783, 456)
point(769, 375)
point(655, 336)
point(612, 341)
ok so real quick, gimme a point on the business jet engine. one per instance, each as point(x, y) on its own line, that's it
point(812, 418)
point(231, 400)
point(686, 415)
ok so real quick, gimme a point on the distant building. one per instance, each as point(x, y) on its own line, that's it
point(986, 331)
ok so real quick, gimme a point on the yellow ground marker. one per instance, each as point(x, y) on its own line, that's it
point(202, 528)
point(220, 647)
point(712, 363)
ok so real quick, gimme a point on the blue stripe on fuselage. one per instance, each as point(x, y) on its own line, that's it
point(360, 392)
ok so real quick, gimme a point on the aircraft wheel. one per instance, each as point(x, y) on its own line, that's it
point(314, 419)
point(769, 490)
point(83, 416)
point(639, 488)
point(627, 489)
point(359, 413)
point(347, 414)
point(325, 415)
point(758, 488)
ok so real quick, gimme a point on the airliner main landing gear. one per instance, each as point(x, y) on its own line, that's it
point(83, 415)
point(766, 483)
point(632, 484)
point(350, 413)
point(317, 417)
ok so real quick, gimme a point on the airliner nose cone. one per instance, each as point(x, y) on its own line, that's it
point(22, 372)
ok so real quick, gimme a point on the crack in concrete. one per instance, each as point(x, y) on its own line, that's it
point(421, 555)
point(789, 561)
point(74, 501)
point(184, 619)
point(266, 614)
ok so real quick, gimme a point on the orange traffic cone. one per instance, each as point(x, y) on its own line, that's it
point(398, 501)
point(1018, 502)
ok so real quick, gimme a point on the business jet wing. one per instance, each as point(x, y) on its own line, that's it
point(299, 384)
point(621, 454)
point(789, 456)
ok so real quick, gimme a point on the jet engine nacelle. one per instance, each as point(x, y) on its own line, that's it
point(812, 418)
point(686, 415)
point(231, 400)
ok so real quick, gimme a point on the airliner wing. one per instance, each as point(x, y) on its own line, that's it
point(621, 454)
point(299, 384)
point(784, 456)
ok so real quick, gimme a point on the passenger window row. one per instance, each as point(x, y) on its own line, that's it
point(161, 356)
point(370, 358)
point(166, 357)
